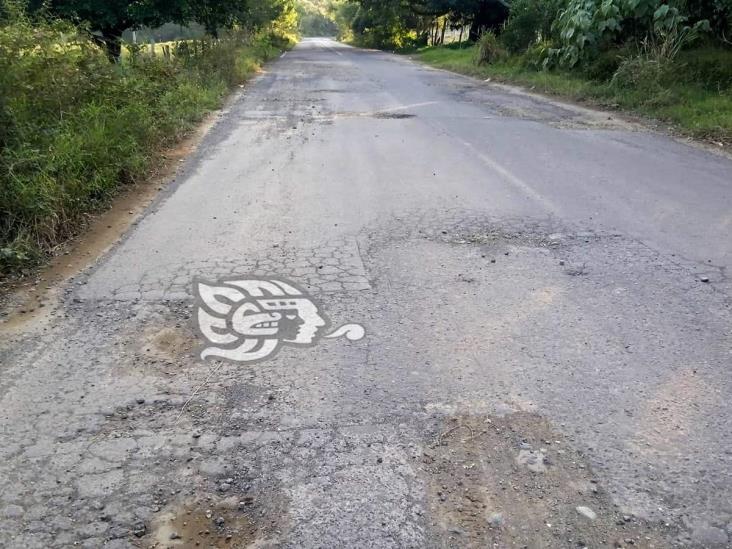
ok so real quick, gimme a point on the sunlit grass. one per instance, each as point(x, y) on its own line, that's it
point(74, 128)
point(687, 104)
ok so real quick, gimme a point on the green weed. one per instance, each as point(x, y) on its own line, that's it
point(74, 128)
point(692, 92)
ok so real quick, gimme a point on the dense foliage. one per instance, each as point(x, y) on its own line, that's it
point(74, 127)
point(315, 18)
point(571, 31)
point(529, 22)
point(108, 19)
point(402, 23)
point(670, 59)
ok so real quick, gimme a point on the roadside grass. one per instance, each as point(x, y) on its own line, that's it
point(75, 129)
point(695, 97)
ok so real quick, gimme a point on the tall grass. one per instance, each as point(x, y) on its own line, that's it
point(74, 127)
point(693, 92)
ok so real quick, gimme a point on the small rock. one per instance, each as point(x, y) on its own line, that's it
point(561, 262)
point(141, 401)
point(219, 521)
point(536, 462)
point(379, 460)
point(224, 487)
point(174, 535)
point(196, 435)
point(704, 279)
point(495, 520)
point(586, 512)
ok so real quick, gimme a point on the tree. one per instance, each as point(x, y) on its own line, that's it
point(108, 19)
point(382, 17)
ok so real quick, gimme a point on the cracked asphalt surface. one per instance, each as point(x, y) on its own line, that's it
point(543, 365)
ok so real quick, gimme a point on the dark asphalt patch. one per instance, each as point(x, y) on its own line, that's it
point(393, 115)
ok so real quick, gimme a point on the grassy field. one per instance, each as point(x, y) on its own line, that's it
point(696, 99)
point(75, 128)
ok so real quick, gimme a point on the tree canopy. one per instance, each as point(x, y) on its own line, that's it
point(382, 22)
point(108, 19)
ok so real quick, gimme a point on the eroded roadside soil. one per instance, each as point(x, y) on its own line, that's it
point(34, 296)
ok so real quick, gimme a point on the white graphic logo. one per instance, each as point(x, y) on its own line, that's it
point(249, 319)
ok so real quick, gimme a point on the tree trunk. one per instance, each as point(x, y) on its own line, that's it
point(442, 36)
point(460, 39)
point(111, 41)
point(475, 30)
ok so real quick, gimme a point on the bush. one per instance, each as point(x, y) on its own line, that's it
point(535, 57)
point(488, 49)
point(529, 21)
point(710, 68)
point(74, 127)
point(604, 66)
point(587, 27)
point(646, 75)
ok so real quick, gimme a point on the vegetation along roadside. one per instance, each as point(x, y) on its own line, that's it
point(82, 114)
point(667, 59)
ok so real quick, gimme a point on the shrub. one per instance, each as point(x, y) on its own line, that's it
point(646, 75)
point(710, 68)
point(536, 56)
point(529, 21)
point(586, 27)
point(488, 49)
point(604, 66)
point(74, 127)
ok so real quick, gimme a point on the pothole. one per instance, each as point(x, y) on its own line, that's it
point(514, 481)
point(229, 523)
point(168, 344)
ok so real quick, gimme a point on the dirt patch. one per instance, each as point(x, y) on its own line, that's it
point(227, 524)
point(514, 482)
point(163, 350)
point(168, 344)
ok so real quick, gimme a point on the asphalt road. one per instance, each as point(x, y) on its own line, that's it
point(543, 364)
